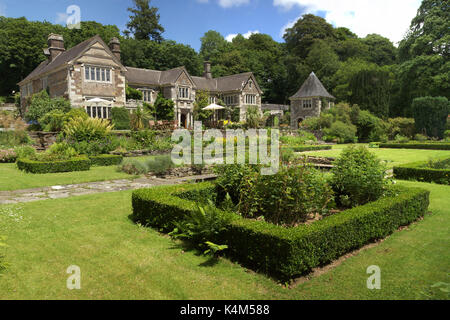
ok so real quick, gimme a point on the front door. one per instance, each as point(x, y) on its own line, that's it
point(183, 121)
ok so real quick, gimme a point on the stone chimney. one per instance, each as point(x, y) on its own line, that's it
point(55, 46)
point(207, 74)
point(114, 46)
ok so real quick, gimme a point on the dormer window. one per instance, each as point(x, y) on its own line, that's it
point(97, 74)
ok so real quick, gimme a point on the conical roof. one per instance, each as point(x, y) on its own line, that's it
point(312, 88)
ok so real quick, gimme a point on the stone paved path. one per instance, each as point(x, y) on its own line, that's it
point(74, 190)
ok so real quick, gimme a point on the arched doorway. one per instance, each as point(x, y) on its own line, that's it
point(299, 122)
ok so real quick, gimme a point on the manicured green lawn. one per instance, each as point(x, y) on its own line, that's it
point(12, 178)
point(120, 260)
point(392, 156)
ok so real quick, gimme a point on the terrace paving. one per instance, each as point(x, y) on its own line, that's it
point(74, 190)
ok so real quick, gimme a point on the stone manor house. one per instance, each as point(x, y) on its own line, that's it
point(93, 69)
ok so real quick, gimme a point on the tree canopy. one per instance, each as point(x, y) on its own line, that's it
point(144, 21)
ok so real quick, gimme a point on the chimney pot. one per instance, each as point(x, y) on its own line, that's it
point(207, 74)
point(114, 46)
point(55, 45)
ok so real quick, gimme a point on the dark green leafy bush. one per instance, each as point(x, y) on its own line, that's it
point(310, 148)
point(41, 104)
point(286, 198)
point(436, 171)
point(106, 160)
point(75, 164)
point(120, 118)
point(358, 177)
point(431, 114)
point(158, 165)
point(341, 132)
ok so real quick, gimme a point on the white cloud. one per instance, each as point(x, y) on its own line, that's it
point(390, 18)
point(228, 3)
point(232, 3)
point(247, 35)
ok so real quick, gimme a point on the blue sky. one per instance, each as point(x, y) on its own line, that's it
point(186, 21)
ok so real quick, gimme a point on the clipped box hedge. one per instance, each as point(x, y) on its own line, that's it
point(425, 146)
point(74, 164)
point(106, 160)
point(285, 252)
point(308, 148)
point(419, 172)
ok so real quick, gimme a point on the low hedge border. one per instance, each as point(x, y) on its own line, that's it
point(307, 148)
point(424, 146)
point(74, 164)
point(419, 172)
point(281, 252)
point(106, 160)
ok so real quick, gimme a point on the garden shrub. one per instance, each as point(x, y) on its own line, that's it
point(278, 251)
point(8, 156)
point(143, 138)
point(285, 198)
point(420, 137)
point(164, 108)
point(403, 126)
point(120, 118)
point(309, 148)
point(341, 132)
point(25, 152)
point(40, 167)
point(401, 139)
point(41, 104)
point(358, 177)
point(55, 120)
point(87, 129)
point(431, 114)
point(437, 172)
point(229, 180)
point(133, 94)
point(158, 165)
point(106, 160)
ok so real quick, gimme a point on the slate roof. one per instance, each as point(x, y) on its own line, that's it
point(274, 107)
point(63, 58)
point(312, 88)
point(145, 76)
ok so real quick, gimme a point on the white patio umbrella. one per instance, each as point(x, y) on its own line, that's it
point(214, 107)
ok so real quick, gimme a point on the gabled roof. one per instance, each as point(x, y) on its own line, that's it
point(312, 88)
point(233, 82)
point(154, 77)
point(67, 56)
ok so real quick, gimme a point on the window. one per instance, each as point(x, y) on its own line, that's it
point(231, 100)
point(97, 74)
point(147, 95)
point(183, 93)
point(212, 100)
point(99, 112)
point(250, 99)
point(307, 104)
point(44, 83)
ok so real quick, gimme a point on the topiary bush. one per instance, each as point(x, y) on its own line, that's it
point(358, 177)
point(40, 167)
point(106, 160)
point(435, 171)
point(120, 118)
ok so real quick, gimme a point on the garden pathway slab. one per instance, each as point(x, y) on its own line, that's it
point(74, 190)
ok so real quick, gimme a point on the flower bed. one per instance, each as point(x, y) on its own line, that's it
point(425, 146)
point(420, 172)
point(74, 164)
point(106, 160)
point(8, 156)
point(278, 251)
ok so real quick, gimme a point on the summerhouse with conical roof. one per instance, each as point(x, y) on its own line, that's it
point(309, 101)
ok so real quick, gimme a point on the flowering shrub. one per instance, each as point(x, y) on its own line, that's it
point(8, 156)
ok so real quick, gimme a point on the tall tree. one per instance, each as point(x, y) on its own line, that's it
point(307, 30)
point(144, 22)
point(213, 44)
point(425, 56)
point(380, 50)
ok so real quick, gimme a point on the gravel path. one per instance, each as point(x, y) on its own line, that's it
point(74, 190)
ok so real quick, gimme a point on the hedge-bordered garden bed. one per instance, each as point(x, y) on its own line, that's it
point(281, 252)
point(424, 146)
point(74, 164)
point(418, 171)
point(105, 160)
